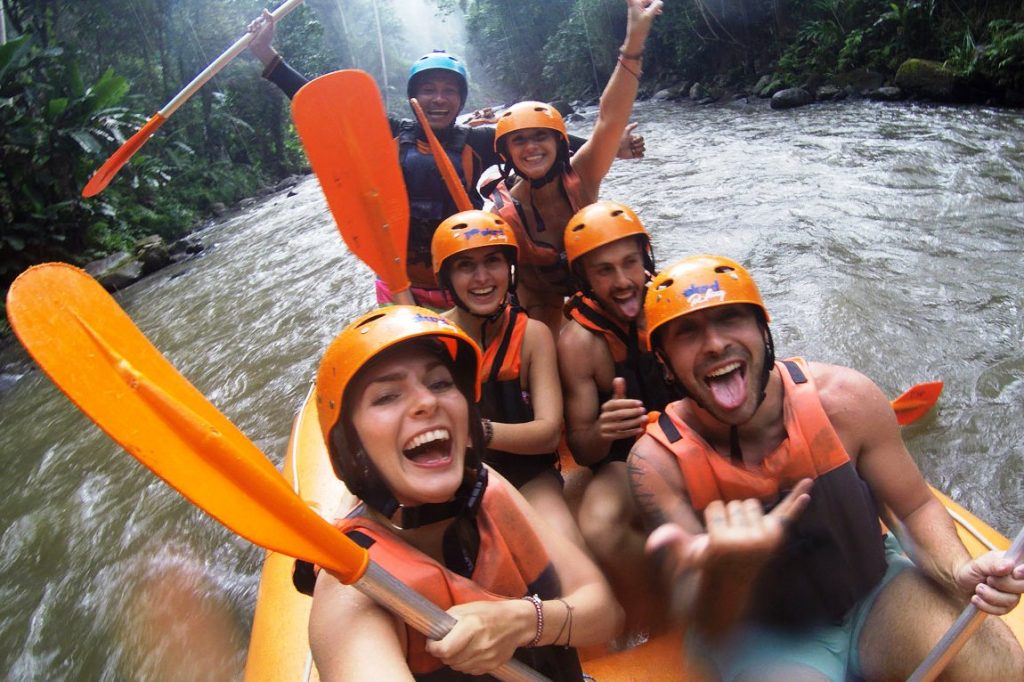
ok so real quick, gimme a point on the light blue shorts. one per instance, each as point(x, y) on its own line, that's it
point(831, 650)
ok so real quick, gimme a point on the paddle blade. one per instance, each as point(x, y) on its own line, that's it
point(343, 126)
point(916, 401)
point(451, 178)
point(105, 173)
point(94, 353)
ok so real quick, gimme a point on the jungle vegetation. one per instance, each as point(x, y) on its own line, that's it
point(78, 78)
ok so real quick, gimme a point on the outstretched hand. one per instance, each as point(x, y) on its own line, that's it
point(631, 146)
point(621, 417)
point(736, 530)
point(994, 583)
point(640, 16)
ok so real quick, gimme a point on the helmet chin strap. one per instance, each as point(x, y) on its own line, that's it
point(465, 503)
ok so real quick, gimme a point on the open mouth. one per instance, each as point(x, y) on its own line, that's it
point(483, 291)
point(430, 447)
point(629, 303)
point(728, 384)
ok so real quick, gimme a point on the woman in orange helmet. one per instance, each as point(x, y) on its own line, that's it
point(543, 186)
point(396, 394)
point(475, 255)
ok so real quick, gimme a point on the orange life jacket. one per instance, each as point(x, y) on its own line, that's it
point(549, 262)
point(511, 562)
point(503, 399)
point(833, 553)
point(644, 379)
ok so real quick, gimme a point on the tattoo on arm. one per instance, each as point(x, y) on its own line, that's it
point(639, 480)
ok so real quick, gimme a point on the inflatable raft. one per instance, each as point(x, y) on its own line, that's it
point(279, 648)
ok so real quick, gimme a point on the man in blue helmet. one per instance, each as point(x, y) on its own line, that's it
point(438, 80)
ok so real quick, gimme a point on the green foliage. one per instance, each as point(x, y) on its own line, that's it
point(50, 123)
point(1002, 59)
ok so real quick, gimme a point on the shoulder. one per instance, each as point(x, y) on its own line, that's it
point(848, 396)
point(537, 335)
point(576, 340)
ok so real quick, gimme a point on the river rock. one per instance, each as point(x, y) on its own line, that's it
point(791, 98)
point(116, 271)
point(152, 253)
point(188, 245)
point(699, 92)
point(888, 93)
point(830, 93)
point(860, 81)
point(670, 94)
point(928, 79)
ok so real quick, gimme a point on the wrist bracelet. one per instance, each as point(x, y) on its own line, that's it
point(636, 74)
point(631, 55)
point(488, 430)
point(540, 618)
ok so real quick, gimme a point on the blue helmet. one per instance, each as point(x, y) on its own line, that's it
point(439, 60)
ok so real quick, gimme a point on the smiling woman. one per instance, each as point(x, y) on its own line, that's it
point(396, 395)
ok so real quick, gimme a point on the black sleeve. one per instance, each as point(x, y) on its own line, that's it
point(285, 77)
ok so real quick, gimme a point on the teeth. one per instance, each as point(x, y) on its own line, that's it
point(481, 292)
point(428, 437)
point(724, 370)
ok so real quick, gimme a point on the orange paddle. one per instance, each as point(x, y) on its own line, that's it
point(102, 177)
point(451, 179)
point(343, 126)
point(915, 402)
point(93, 352)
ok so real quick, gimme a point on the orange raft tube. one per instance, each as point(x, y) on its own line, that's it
point(279, 648)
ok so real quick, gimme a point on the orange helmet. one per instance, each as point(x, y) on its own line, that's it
point(377, 331)
point(471, 230)
point(602, 223)
point(524, 115)
point(696, 283)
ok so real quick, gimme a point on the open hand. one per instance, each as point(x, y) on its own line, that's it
point(738, 530)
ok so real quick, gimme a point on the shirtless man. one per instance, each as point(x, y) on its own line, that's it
point(808, 593)
point(609, 383)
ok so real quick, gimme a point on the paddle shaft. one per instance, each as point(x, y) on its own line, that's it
point(444, 164)
point(222, 61)
point(106, 172)
point(93, 352)
point(961, 630)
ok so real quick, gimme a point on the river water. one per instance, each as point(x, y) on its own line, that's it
point(883, 237)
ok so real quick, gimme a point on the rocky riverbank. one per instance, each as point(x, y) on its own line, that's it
point(916, 79)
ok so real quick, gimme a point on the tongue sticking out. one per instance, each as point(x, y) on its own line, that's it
point(728, 390)
point(630, 307)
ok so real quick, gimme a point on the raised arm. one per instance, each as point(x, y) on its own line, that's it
point(540, 436)
point(595, 157)
point(275, 69)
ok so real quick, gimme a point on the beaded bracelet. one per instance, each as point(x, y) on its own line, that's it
point(635, 74)
point(540, 618)
point(488, 430)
